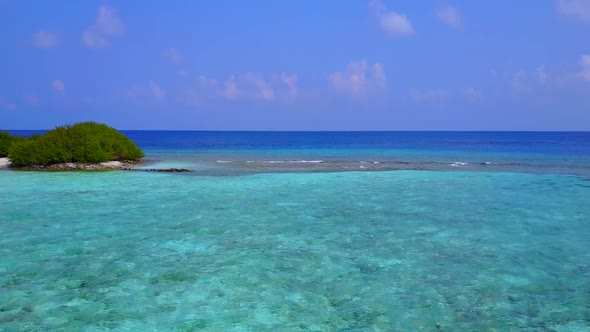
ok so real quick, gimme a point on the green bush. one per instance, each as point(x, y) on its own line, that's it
point(6, 140)
point(87, 142)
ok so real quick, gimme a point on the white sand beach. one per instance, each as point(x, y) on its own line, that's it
point(4, 162)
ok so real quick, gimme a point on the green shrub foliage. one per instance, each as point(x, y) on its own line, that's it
point(6, 140)
point(87, 142)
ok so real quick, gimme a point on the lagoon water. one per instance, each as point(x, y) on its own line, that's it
point(400, 231)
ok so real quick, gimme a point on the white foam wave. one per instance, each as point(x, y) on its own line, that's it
point(285, 161)
point(458, 164)
point(309, 161)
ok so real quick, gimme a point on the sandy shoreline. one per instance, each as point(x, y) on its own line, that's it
point(4, 162)
point(108, 165)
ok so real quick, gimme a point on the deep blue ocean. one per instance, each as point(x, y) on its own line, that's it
point(560, 143)
point(306, 231)
point(541, 152)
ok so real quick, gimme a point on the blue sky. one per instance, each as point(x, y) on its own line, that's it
point(297, 65)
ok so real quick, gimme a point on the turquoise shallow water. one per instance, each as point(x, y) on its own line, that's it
point(352, 251)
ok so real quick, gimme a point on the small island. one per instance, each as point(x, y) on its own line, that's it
point(81, 146)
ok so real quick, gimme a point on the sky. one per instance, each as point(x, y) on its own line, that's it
point(296, 64)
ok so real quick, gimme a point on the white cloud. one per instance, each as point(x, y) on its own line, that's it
point(202, 88)
point(156, 90)
point(576, 9)
point(357, 80)
point(527, 81)
point(58, 86)
point(542, 75)
point(230, 90)
point(353, 80)
point(472, 94)
point(519, 84)
point(291, 82)
point(450, 16)
point(7, 105)
point(393, 23)
point(136, 93)
point(107, 26)
point(31, 99)
point(379, 75)
point(173, 56)
point(263, 89)
point(430, 95)
point(243, 87)
point(538, 79)
point(585, 72)
point(205, 82)
point(396, 24)
point(45, 39)
point(146, 94)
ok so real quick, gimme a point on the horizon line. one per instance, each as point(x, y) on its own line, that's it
point(334, 131)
